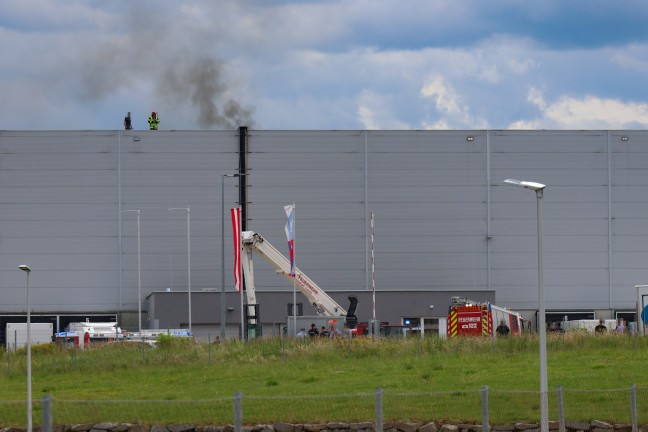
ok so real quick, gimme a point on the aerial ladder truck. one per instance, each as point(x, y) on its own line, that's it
point(323, 304)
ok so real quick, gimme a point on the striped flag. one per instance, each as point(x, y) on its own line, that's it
point(290, 234)
point(236, 235)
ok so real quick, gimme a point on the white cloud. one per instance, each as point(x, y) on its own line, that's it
point(536, 98)
point(376, 112)
point(588, 112)
point(445, 97)
point(490, 74)
point(524, 125)
point(520, 66)
point(366, 117)
point(631, 59)
point(438, 125)
point(452, 111)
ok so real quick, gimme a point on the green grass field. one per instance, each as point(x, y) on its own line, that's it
point(329, 380)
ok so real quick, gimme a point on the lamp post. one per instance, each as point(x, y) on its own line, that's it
point(27, 270)
point(542, 326)
point(139, 274)
point(222, 311)
point(188, 210)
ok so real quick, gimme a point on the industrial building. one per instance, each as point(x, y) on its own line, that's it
point(445, 223)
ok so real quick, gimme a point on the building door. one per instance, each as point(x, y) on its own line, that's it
point(430, 326)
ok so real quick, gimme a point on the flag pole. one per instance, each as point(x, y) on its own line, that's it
point(238, 278)
point(239, 272)
point(242, 318)
point(373, 280)
point(295, 275)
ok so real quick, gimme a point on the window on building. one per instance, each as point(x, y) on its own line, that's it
point(300, 309)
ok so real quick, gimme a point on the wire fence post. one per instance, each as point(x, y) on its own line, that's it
point(633, 407)
point(209, 348)
point(484, 406)
point(561, 409)
point(238, 412)
point(46, 402)
point(379, 410)
point(349, 346)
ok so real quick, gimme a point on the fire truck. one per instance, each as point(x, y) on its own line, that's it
point(471, 318)
point(324, 305)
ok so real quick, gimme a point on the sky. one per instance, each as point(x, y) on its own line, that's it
point(324, 65)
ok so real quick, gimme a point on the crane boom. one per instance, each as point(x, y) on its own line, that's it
point(322, 302)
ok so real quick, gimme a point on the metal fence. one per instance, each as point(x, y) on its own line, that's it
point(480, 406)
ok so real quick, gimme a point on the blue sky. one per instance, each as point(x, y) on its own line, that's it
point(346, 64)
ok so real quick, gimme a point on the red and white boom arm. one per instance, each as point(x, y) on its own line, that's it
point(322, 302)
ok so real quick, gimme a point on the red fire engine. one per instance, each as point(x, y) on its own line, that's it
point(470, 318)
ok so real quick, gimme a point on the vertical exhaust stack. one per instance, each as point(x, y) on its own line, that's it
point(243, 151)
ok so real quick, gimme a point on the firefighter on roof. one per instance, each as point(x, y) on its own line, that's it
point(153, 121)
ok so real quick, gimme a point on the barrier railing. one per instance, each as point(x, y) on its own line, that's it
point(483, 407)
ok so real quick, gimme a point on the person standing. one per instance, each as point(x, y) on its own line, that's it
point(312, 332)
point(128, 125)
point(153, 121)
point(600, 328)
point(502, 329)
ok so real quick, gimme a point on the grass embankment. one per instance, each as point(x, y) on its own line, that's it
point(325, 380)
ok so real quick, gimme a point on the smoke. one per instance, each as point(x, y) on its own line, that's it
point(202, 84)
point(172, 67)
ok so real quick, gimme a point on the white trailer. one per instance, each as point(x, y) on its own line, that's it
point(97, 331)
point(587, 325)
point(16, 334)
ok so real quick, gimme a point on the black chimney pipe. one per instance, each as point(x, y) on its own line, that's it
point(243, 151)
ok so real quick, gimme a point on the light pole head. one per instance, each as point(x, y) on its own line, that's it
point(24, 268)
point(525, 184)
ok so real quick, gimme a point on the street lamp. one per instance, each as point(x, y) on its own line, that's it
point(222, 312)
point(139, 274)
point(544, 404)
point(188, 210)
point(27, 270)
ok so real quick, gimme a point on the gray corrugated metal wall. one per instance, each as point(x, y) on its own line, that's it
point(437, 197)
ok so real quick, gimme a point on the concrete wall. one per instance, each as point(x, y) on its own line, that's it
point(444, 220)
